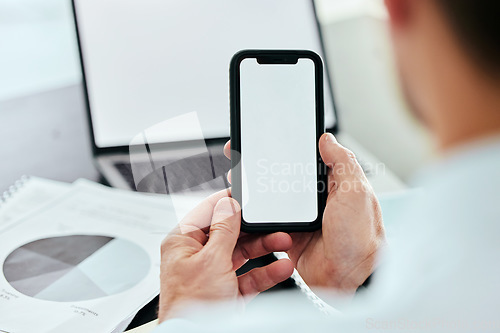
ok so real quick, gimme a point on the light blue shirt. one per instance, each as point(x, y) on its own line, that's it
point(442, 271)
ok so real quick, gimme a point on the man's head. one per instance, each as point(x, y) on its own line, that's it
point(448, 54)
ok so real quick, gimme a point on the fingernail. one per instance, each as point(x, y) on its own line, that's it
point(226, 207)
point(330, 138)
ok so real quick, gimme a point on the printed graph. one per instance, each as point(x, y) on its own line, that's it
point(76, 268)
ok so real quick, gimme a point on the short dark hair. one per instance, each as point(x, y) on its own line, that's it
point(477, 26)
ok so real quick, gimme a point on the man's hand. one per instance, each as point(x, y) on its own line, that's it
point(201, 256)
point(342, 254)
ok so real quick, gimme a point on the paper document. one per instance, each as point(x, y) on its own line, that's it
point(27, 195)
point(83, 262)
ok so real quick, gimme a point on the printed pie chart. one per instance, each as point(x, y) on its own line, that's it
point(76, 268)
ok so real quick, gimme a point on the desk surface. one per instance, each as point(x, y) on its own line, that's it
point(45, 135)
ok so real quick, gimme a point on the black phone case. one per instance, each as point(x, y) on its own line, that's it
point(275, 57)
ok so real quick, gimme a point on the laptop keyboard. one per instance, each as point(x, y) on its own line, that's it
point(199, 172)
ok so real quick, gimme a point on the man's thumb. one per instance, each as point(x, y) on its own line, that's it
point(225, 226)
point(337, 157)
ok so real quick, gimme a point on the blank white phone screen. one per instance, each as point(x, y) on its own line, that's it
point(278, 142)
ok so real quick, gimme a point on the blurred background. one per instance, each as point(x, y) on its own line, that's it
point(38, 53)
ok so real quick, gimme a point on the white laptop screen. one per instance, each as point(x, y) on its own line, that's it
point(147, 61)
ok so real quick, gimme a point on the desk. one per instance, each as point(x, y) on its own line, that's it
point(46, 135)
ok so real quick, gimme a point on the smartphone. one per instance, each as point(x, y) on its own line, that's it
point(277, 118)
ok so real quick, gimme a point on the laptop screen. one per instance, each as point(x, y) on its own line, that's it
point(148, 61)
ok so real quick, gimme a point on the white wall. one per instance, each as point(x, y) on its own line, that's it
point(38, 49)
point(369, 101)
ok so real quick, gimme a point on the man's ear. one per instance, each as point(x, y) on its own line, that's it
point(399, 11)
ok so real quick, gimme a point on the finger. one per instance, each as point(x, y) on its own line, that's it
point(227, 149)
point(263, 278)
point(341, 160)
point(254, 246)
point(201, 216)
point(331, 180)
point(224, 228)
point(229, 176)
point(198, 235)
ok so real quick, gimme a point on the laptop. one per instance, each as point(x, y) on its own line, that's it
point(156, 82)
